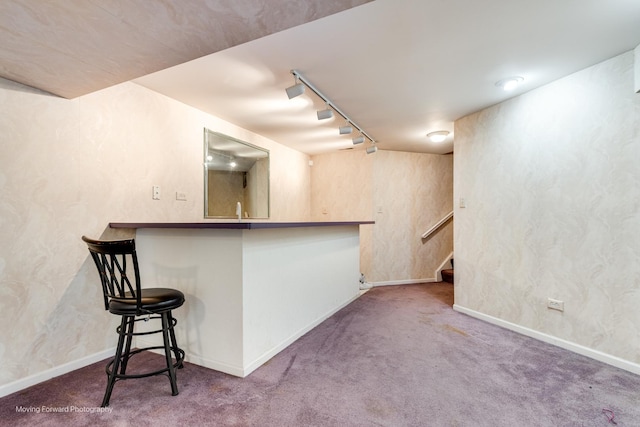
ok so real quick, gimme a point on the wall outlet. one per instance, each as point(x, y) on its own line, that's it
point(555, 304)
point(181, 196)
point(156, 192)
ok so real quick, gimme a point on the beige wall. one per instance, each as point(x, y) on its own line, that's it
point(412, 192)
point(552, 185)
point(405, 193)
point(341, 190)
point(68, 168)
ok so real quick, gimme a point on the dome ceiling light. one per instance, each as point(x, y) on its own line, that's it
point(438, 136)
point(510, 83)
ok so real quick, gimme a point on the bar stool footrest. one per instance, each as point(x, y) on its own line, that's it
point(176, 365)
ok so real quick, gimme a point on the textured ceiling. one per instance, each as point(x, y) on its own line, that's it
point(398, 68)
point(74, 47)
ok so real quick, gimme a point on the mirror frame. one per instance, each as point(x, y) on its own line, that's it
point(229, 151)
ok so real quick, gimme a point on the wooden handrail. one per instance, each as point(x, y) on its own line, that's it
point(432, 230)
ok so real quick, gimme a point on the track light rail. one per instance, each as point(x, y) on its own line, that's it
point(308, 84)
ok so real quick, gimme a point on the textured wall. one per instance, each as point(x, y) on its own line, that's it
point(412, 192)
point(405, 193)
point(341, 190)
point(552, 185)
point(68, 168)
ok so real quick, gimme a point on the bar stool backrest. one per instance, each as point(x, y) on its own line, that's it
point(112, 258)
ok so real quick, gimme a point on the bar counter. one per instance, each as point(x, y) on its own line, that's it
point(251, 288)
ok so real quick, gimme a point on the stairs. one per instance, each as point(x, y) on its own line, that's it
point(447, 273)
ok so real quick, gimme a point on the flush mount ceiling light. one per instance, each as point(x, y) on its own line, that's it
point(438, 136)
point(294, 91)
point(510, 83)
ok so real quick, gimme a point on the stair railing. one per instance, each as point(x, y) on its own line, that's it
point(437, 225)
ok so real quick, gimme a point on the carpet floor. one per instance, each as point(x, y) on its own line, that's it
point(397, 356)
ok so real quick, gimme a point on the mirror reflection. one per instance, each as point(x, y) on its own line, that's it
point(236, 178)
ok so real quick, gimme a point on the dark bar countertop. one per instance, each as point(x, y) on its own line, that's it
point(237, 225)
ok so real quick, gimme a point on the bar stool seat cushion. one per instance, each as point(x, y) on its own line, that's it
point(153, 300)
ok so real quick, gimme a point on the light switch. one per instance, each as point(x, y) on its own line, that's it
point(463, 202)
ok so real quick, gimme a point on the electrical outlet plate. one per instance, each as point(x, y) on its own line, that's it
point(555, 304)
point(156, 192)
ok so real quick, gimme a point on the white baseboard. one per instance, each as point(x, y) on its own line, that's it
point(558, 342)
point(437, 277)
point(34, 379)
point(243, 371)
point(252, 366)
point(402, 282)
point(447, 263)
point(236, 371)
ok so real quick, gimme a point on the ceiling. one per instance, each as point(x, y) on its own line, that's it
point(397, 68)
point(74, 47)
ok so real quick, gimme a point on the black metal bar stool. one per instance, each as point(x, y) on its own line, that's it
point(123, 296)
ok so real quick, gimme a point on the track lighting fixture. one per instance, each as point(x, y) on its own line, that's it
point(372, 149)
point(438, 136)
point(325, 114)
point(298, 89)
point(346, 129)
point(295, 90)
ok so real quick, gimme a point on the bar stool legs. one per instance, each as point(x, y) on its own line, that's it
point(116, 369)
point(112, 367)
point(167, 352)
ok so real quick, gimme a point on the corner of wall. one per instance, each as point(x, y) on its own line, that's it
point(636, 53)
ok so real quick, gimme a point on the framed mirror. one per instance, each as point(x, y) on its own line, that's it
point(236, 178)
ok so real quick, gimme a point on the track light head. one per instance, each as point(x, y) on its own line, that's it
point(372, 149)
point(325, 114)
point(295, 90)
point(346, 129)
point(358, 140)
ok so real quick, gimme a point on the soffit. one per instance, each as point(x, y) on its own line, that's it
point(74, 47)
